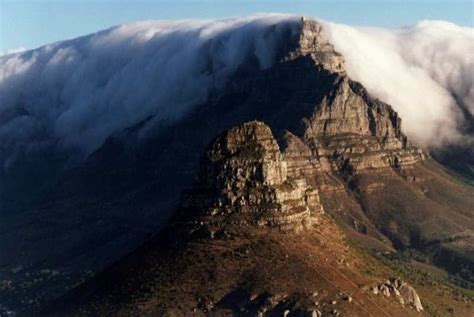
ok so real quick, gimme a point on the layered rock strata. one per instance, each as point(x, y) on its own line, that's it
point(345, 128)
point(353, 131)
point(244, 181)
point(312, 41)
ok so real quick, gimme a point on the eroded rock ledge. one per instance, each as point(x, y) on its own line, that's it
point(244, 181)
point(311, 40)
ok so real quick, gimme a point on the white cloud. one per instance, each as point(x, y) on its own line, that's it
point(424, 71)
point(76, 93)
point(79, 92)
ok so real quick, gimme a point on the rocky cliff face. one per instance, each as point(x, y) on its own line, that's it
point(244, 181)
point(352, 131)
point(348, 129)
point(311, 40)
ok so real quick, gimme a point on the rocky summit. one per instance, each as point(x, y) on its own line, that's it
point(244, 181)
point(291, 191)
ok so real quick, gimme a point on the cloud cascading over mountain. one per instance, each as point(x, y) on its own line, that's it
point(76, 93)
point(425, 71)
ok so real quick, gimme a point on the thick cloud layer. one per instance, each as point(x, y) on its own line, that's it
point(426, 72)
point(77, 93)
point(74, 94)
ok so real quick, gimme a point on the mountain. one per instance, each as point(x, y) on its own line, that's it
point(250, 238)
point(329, 174)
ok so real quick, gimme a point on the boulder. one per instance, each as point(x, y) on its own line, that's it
point(411, 297)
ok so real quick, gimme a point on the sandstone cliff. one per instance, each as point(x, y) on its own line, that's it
point(243, 181)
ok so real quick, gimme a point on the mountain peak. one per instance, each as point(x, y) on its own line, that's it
point(313, 41)
point(243, 181)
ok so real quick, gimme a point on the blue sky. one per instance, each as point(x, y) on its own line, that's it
point(30, 24)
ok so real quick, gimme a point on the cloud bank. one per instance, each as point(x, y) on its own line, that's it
point(13, 50)
point(76, 93)
point(425, 71)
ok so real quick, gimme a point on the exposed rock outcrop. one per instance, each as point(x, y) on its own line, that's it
point(355, 132)
point(244, 181)
point(404, 293)
point(312, 41)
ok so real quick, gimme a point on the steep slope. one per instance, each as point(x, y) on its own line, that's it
point(248, 239)
point(384, 192)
